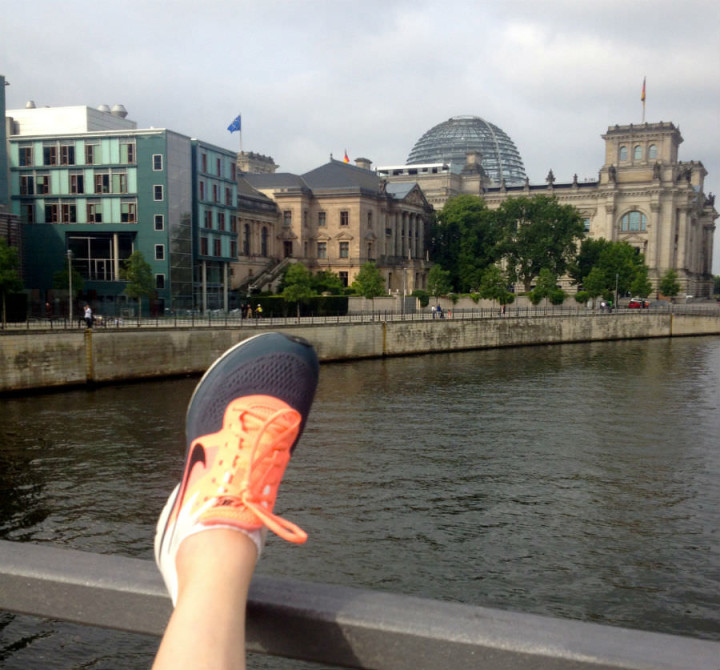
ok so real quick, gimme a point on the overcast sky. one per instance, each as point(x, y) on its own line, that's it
point(316, 77)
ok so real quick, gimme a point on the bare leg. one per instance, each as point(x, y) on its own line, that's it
point(207, 627)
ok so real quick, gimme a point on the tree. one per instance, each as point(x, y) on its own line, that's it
point(136, 271)
point(547, 287)
point(327, 282)
point(641, 285)
point(10, 281)
point(369, 283)
point(493, 286)
point(464, 241)
point(297, 285)
point(538, 233)
point(438, 281)
point(603, 266)
point(669, 284)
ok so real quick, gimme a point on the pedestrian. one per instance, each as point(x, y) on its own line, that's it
point(433, 311)
point(88, 316)
point(258, 311)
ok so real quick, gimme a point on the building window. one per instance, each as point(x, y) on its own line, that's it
point(127, 152)
point(652, 151)
point(102, 182)
point(322, 249)
point(233, 223)
point(159, 252)
point(228, 197)
point(27, 212)
point(587, 225)
point(203, 246)
point(344, 218)
point(119, 182)
point(159, 220)
point(203, 162)
point(157, 162)
point(94, 212)
point(343, 278)
point(202, 190)
point(246, 239)
point(91, 154)
point(159, 282)
point(217, 247)
point(27, 184)
point(344, 249)
point(233, 249)
point(128, 212)
point(637, 152)
point(322, 219)
point(369, 220)
point(77, 183)
point(42, 184)
point(287, 217)
point(25, 156)
point(623, 153)
point(221, 220)
point(216, 193)
point(633, 221)
point(264, 235)
point(158, 192)
point(52, 213)
point(50, 155)
point(207, 219)
point(218, 166)
point(67, 154)
point(69, 213)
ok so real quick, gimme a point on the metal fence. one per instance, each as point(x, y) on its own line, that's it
point(219, 319)
point(339, 626)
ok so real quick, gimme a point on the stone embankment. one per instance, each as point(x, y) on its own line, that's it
point(44, 359)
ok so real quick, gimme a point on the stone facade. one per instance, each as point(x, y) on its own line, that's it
point(644, 195)
point(340, 216)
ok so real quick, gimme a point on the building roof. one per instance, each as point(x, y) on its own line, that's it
point(452, 140)
point(337, 174)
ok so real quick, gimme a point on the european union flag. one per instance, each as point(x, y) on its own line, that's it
point(235, 125)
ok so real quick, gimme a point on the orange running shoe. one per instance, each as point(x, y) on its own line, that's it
point(243, 422)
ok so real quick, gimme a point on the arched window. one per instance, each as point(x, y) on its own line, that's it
point(637, 152)
point(633, 221)
point(652, 151)
point(623, 153)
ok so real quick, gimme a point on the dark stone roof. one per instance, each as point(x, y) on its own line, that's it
point(340, 175)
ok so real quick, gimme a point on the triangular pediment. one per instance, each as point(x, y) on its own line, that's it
point(287, 234)
point(344, 235)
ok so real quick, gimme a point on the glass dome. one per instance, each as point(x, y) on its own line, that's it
point(450, 141)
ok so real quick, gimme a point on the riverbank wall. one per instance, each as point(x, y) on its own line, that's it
point(41, 360)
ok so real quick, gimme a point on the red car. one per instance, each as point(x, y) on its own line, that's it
point(638, 303)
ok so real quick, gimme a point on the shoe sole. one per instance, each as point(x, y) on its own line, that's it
point(274, 364)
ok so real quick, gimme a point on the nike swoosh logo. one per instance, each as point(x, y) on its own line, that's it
point(197, 455)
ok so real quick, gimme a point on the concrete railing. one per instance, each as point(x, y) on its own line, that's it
point(336, 625)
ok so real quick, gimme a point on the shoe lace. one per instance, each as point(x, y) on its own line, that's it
point(263, 443)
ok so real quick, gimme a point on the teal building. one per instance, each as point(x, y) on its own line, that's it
point(88, 185)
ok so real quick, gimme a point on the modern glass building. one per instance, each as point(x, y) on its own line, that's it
point(87, 184)
point(450, 142)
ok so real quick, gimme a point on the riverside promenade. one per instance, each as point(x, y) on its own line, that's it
point(44, 355)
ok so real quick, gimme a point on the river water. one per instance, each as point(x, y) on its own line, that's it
point(579, 481)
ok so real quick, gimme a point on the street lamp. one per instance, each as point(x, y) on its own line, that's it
point(616, 290)
point(70, 300)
